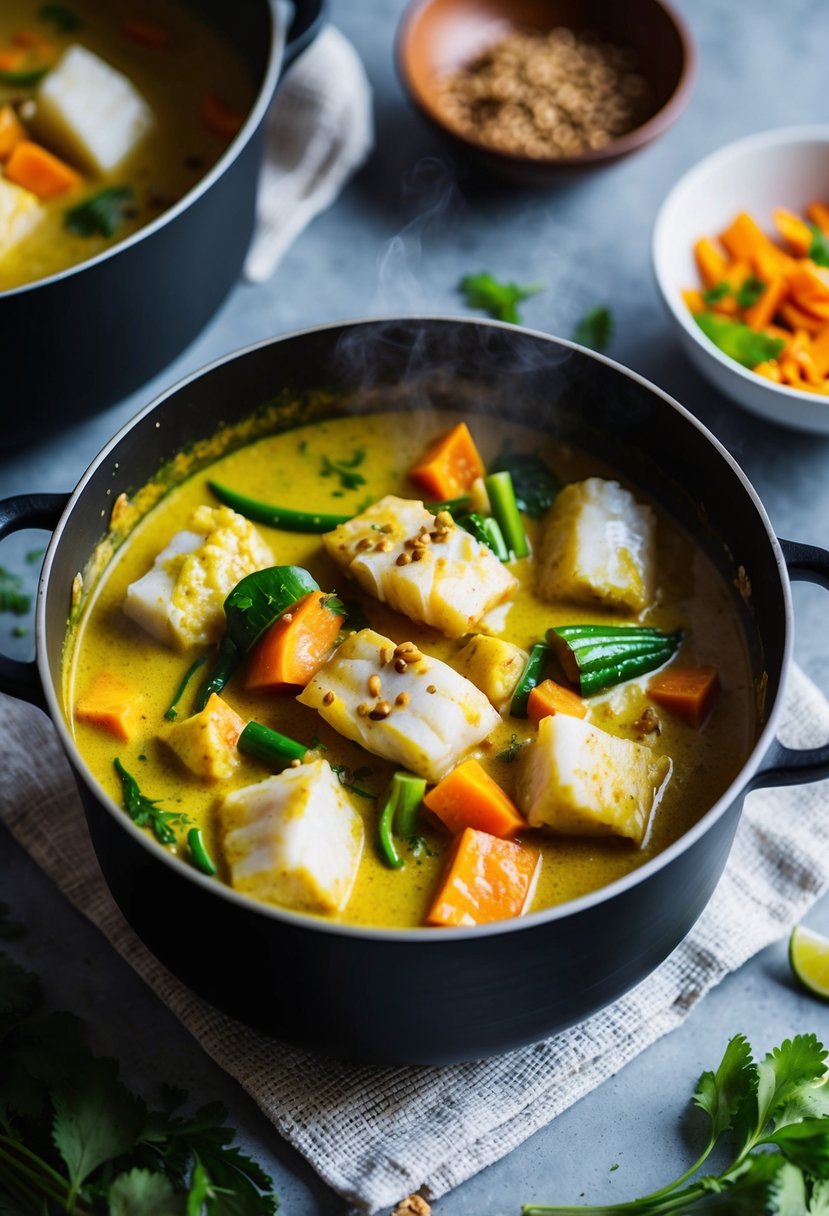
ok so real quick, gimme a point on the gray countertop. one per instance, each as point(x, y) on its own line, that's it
point(398, 240)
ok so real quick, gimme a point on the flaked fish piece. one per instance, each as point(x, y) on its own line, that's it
point(400, 704)
point(597, 547)
point(180, 600)
point(294, 839)
point(578, 780)
point(421, 564)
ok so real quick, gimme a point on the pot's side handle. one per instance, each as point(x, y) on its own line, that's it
point(308, 19)
point(785, 765)
point(27, 511)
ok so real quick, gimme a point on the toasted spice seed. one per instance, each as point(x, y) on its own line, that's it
point(403, 559)
point(364, 544)
point(375, 685)
point(295, 763)
point(382, 546)
point(408, 652)
point(431, 688)
point(418, 554)
point(424, 537)
point(402, 698)
point(381, 710)
point(400, 664)
point(386, 655)
point(363, 710)
point(329, 698)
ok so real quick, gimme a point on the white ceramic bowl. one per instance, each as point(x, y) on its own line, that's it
point(783, 168)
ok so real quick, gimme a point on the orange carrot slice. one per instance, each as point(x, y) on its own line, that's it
point(688, 692)
point(485, 880)
point(109, 703)
point(450, 465)
point(711, 261)
point(38, 170)
point(818, 213)
point(295, 647)
point(11, 131)
point(796, 234)
point(469, 798)
point(551, 698)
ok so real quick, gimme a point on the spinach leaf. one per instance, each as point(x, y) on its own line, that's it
point(745, 345)
point(101, 214)
point(535, 485)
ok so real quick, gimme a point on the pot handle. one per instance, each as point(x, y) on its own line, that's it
point(19, 679)
point(308, 20)
point(786, 765)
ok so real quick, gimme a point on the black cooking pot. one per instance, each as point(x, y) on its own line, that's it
point(425, 995)
point(82, 339)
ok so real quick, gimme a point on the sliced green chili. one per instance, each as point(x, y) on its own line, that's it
point(486, 530)
point(533, 674)
point(201, 858)
point(277, 517)
point(400, 815)
point(269, 745)
point(598, 656)
point(228, 659)
point(172, 711)
point(501, 493)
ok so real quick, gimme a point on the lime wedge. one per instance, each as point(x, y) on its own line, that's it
point(809, 958)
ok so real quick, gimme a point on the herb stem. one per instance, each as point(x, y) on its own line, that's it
point(172, 712)
point(38, 1174)
point(227, 661)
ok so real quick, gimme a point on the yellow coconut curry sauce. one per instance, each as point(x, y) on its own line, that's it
point(110, 112)
point(309, 467)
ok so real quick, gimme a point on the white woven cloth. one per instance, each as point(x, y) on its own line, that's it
point(320, 131)
point(377, 1134)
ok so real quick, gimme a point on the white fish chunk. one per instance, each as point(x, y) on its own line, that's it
point(577, 780)
point(180, 599)
point(20, 212)
point(293, 839)
point(425, 717)
point(91, 113)
point(597, 547)
point(451, 579)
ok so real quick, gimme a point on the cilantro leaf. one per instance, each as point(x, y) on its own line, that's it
point(595, 329)
point(750, 291)
point(788, 1192)
point(713, 295)
point(145, 812)
point(499, 300)
point(141, 1192)
point(795, 1064)
point(96, 1119)
point(810, 1102)
point(745, 345)
point(534, 483)
point(345, 775)
point(334, 604)
point(721, 1094)
point(101, 214)
point(806, 1144)
point(344, 469)
point(819, 248)
point(819, 1200)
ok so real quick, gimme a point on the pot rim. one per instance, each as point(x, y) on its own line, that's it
point(279, 20)
point(307, 921)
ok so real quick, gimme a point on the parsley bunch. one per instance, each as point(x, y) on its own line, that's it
point(775, 1113)
point(73, 1139)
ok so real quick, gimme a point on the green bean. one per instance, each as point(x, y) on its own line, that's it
point(201, 858)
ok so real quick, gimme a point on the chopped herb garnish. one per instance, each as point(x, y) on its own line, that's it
point(418, 847)
point(740, 342)
point(346, 776)
point(101, 214)
point(595, 329)
point(512, 750)
point(34, 556)
point(19, 631)
point(12, 599)
point(713, 295)
point(819, 248)
point(750, 291)
point(334, 604)
point(499, 300)
point(344, 469)
point(145, 812)
point(62, 18)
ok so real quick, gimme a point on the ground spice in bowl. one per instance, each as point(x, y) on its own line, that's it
point(542, 94)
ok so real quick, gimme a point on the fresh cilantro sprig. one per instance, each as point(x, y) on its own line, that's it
point(775, 1114)
point(595, 329)
point(145, 812)
point(101, 214)
point(499, 300)
point(74, 1139)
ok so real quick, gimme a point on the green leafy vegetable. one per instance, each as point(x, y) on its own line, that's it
point(499, 300)
point(819, 248)
point(334, 604)
point(713, 295)
point(73, 1139)
point(62, 18)
point(145, 812)
point(534, 483)
point(12, 598)
point(101, 214)
point(260, 598)
point(745, 345)
point(344, 469)
point(757, 1106)
point(595, 329)
point(486, 530)
point(750, 291)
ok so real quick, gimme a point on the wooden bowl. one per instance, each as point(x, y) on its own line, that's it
point(436, 37)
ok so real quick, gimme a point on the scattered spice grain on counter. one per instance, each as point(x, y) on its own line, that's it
point(539, 94)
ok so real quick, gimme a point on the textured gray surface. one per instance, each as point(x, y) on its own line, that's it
point(398, 241)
